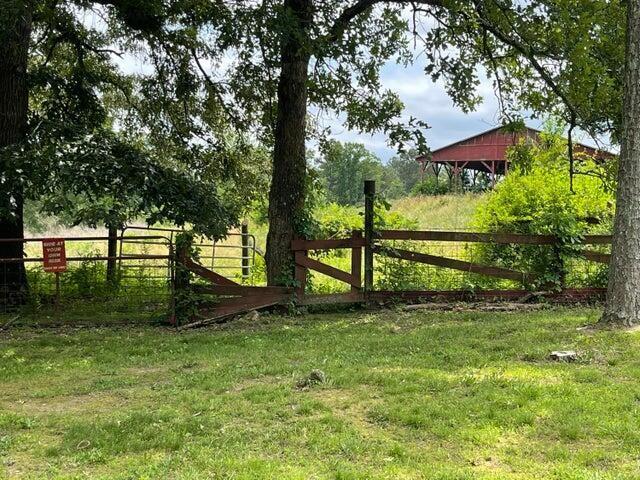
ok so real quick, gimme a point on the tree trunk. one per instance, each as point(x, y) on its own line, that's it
point(288, 184)
point(15, 32)
point(623, 294)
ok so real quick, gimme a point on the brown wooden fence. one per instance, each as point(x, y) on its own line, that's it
point(360, 292)
point(372, 242)
point(365, 245)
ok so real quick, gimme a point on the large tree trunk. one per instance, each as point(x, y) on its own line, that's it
point(623, 294)
point(15, 32)
point(288, 184)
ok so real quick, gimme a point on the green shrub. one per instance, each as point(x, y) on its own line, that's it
point(430, 186)
point(535, 198)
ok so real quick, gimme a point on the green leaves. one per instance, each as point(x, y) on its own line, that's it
point(535, 199)
point(345, 166)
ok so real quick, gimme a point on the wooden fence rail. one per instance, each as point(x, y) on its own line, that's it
point(373, 242)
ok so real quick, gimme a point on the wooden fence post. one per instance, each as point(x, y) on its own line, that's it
point(112, 252)
point(245, 250)
point(369, 194)
point(300, 274)
point(181, 283)
point(182, 279)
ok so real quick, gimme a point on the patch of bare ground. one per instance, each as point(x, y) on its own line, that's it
point(349, 407)
point(249, 383)
point(88, 403)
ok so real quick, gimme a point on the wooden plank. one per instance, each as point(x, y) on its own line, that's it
point(331, 298)
point(597, 239)
point(428, 235)
point(497, 272)
point(207, 274)
point(441, 236)
point(416, 295)
point(328, 270)
point(326, 244)
point(234, 306)
point(429, 295)
point(241, 290)
point(596, 256)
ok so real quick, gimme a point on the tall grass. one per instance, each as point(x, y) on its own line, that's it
point(439, 212)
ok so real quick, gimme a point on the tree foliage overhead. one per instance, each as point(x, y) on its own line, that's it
point(547, 56)
point(106, 146)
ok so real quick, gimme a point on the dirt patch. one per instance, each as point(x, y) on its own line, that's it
point(92, 402)
point(249, 383)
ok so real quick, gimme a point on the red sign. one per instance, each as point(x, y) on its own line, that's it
point(54, 255)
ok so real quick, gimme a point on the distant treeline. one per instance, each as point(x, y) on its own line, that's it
point(343, 167)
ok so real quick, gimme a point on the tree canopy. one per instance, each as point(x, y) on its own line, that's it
point(105, 146)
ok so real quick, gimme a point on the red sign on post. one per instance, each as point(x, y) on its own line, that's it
point(54, 255)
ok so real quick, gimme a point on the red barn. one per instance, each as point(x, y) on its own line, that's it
point(486, 152)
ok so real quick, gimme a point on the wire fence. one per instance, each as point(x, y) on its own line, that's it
point(91, 284)
point(124, 279)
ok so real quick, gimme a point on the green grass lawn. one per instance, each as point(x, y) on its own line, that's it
point(408, 395)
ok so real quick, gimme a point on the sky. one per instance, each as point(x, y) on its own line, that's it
point(428, 101)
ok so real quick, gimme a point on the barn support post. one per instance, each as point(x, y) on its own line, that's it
point(369, 196)
point(493, 173)
point(457, 177)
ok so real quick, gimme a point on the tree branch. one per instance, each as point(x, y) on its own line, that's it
point(528, 53)
point(360, 7)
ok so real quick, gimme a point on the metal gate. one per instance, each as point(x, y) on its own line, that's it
point(234, 257)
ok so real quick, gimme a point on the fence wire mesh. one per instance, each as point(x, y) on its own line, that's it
point(130, 288)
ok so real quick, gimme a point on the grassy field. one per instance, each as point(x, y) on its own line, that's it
point(407, 395)
point(441, 212)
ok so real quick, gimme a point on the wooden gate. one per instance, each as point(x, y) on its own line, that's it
point(227, 298)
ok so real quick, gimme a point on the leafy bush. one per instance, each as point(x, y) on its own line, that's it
point(535, 198)
point(430, 186)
